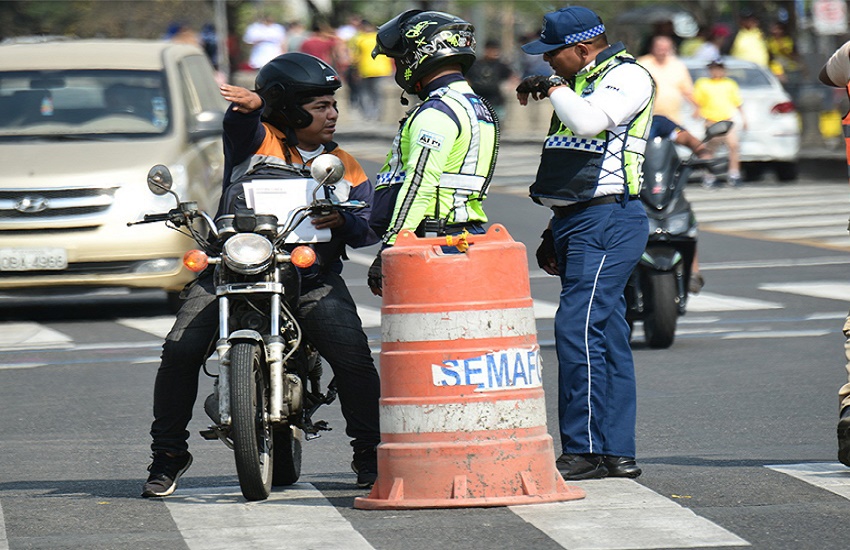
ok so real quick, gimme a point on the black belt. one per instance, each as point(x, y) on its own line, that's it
point(564, 211)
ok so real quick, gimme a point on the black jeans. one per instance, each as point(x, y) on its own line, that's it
point(328, 319)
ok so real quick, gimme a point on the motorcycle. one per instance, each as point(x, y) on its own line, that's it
point(267, 387)
point(657, 291)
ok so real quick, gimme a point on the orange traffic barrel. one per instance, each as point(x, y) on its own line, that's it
point(463, 415)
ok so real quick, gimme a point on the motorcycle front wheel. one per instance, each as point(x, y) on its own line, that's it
point(251, 432)
point(659, 326)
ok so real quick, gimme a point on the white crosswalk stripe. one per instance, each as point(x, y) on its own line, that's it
point(4, 541)
point(813, 214)
point(621, 513)
point(297, 517)
point(831, 476)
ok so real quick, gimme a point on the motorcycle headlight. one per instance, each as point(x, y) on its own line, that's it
point(247, 253)
point(679, 223)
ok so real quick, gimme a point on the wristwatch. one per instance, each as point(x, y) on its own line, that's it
point(556, 80)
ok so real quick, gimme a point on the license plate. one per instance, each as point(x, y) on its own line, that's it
point(33, 259)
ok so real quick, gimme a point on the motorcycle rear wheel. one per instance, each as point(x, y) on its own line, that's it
point(659, 326)
point(251, 432)
point(287, 457)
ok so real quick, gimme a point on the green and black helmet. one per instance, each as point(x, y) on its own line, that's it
point(421, 41)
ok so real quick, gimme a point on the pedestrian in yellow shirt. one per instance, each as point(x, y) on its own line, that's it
point(371, 71)
point(718, 98)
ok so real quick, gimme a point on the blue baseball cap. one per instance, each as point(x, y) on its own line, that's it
point(565, 27)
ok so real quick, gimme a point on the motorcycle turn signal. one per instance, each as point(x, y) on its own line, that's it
point(303, 257)
point(196, 260)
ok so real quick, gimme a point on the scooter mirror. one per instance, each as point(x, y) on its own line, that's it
point(160, 180)
point(327, 169)
point(718, 129)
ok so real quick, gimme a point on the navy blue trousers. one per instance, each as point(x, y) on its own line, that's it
point(329, 319)
point(597, 248)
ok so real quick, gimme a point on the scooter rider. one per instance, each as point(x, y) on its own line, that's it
point(589, 175)
point(437, 172)
point(292, 117)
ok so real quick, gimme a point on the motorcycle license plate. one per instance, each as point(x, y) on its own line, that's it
point(33, 259)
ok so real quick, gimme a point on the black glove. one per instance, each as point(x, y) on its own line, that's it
point(546, 255)
point(538, 85)
point(375, 277)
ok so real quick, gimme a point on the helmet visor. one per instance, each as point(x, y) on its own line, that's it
point(389, 41)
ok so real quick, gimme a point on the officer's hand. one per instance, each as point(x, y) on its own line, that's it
point(538, 87)
point(375, 277)
point(547, 258)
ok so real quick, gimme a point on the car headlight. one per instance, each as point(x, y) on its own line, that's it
point(247, 253)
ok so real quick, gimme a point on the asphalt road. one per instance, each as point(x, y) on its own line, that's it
point(736, 422)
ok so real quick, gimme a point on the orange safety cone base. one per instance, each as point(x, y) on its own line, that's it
point(457, 474)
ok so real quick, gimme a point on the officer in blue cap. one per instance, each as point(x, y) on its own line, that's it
point(589, 176)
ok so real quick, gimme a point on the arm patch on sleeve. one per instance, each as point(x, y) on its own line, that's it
point(430, 140)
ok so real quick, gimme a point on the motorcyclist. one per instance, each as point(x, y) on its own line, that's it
point(292, 116)
point(436, 174)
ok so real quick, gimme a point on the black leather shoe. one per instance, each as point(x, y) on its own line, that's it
point(621, 466)
point(844, 437)
point(583, 466)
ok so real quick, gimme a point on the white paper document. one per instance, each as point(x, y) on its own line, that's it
point(280, 197)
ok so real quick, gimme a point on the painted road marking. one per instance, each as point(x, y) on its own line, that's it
point(831, 290)
point(832, 476)
point(296, 517)
point(158, 326)
point(4, 541)
point(707, 301)
point(31, 336)
point(621, 513)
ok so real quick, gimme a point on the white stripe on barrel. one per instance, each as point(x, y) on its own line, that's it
point(506, 414)
point(458, 325)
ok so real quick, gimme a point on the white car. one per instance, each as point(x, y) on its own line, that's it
point(81, 123)
point(772, 137)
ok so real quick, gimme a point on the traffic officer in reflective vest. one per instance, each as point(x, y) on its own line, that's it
point(437, 172)
point(590, 176)
point(836, 72)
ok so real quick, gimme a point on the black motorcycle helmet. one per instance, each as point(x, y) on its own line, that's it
point(421, 41)
point(289, 81)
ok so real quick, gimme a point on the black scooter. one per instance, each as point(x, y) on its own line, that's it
point(657, 291)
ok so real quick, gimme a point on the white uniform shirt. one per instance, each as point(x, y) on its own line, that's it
point(618, 96)
point(838, 66)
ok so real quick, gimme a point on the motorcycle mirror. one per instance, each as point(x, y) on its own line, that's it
point(718, 129)
point(160, 180)
point(327, 169)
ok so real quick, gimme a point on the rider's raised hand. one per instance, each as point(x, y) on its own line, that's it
point(242, 99)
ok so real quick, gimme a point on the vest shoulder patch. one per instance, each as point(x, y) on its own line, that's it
point(430, 140)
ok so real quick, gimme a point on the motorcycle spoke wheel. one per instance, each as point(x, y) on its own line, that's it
point(659, 326)
point(251, 432)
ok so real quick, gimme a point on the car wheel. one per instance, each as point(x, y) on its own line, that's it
point(786, 171)
point(752, 171)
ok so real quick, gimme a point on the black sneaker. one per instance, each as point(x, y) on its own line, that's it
point(581, 466)
point(165, 471)
point(365, 465)
point(844, 437)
